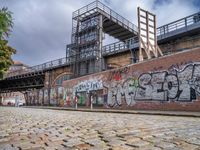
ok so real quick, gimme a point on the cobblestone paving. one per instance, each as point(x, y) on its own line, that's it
point(25, 128)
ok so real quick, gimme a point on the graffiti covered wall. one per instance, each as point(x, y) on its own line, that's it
point(167, 83)
point(171, 83)
point(178, 85)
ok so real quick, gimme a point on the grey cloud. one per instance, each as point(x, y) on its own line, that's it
point(42, 28)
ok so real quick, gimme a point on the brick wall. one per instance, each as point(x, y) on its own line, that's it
point(181, 43)
point(168, 83)
point(113, 60)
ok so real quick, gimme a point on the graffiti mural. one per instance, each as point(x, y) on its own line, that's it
point(89, 85)
point(178, 85)
point(41, 96)
point(126, 87)
point(118, 91)
point(61, 101)
point(68, 96)
point(53, 96)
point(118, 74)
point(33, 97)
point(181, 86)
point(46, 96)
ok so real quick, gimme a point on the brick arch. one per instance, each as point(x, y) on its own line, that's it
point(60, 75)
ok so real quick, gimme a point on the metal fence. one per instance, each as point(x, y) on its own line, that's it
point(41, 67)
point(54, 64)
point(179, 24)
point(120, 46)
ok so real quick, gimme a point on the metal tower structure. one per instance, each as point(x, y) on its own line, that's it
point(88, 25)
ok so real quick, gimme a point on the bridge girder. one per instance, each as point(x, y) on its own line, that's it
point(34, 81)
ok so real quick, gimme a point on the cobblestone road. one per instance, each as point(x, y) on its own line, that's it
point(26, 128)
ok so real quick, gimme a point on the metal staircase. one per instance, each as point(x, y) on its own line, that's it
point(113, 23)
point(88, 25)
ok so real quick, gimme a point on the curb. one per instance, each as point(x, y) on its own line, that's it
point(160, 113)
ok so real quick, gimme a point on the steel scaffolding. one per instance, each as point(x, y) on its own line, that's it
point(88, 25)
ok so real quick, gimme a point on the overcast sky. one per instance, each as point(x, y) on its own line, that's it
point(42, 28)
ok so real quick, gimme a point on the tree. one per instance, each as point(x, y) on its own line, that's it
point(6, 24)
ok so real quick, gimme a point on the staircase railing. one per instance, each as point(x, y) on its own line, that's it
point(97, 6)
